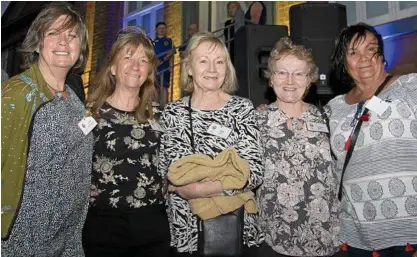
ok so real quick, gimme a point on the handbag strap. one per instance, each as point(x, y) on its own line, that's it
point(354, 137)
point(191, 124)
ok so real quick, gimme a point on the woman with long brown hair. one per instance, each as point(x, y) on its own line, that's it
point(127, 213)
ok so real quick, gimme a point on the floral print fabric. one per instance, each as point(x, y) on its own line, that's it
point(298, 200)
point(125, 162)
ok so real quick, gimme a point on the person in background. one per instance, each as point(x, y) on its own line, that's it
point(45, 154)
point(297, 202)
point(164, 50)
point(191, 31)
point(127, 214)
point(256, 13)
point(379, 201)
point(233, 8)
point(209, 78)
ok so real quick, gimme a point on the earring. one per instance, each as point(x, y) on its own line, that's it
point(385, 63)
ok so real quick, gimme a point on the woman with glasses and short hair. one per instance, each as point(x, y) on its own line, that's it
point(298, 200)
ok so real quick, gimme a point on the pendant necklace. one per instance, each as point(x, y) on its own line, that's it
point(58, 93)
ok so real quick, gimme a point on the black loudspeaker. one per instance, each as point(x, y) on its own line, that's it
point(253, 43)
point(316, 26)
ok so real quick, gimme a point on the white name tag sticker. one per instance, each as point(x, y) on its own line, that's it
point(87, 124)
point(219, 130)
point(377, 105)
point(156, 126)
point(317, 127)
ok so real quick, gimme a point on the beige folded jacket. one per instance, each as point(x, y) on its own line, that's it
point(228, 168)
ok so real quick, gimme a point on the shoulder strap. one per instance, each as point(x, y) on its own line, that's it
point(191, 124)
point(354, 137)
point(326, 119)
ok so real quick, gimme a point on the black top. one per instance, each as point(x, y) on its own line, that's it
point(75, 82)
point(262, 20)
point(125, 162)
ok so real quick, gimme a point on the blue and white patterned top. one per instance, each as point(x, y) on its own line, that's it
point(379, 206)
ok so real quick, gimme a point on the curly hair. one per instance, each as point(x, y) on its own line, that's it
point(285, 47)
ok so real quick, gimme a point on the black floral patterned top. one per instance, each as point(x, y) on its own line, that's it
point(124, 162)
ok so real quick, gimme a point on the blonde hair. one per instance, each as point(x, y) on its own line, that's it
point(44, 20)
point(105, 82)
point(285, 47)
point(186, 81)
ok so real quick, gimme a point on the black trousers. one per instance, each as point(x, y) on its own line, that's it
point(143, 232)
point(247, 252)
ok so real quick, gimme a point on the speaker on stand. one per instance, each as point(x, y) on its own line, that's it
point(316, 26)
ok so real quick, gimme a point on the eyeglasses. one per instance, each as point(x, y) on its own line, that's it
point(297, 75)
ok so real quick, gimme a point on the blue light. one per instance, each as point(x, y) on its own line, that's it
point(390, 32)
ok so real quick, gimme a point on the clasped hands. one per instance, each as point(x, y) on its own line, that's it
point(197, 190)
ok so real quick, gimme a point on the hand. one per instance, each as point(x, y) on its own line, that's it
point(197, 190)
point(158, 62)
point(188, 192)
point(94, 191)
point(260, 107)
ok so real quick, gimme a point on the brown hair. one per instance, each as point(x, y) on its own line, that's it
point(235, 3)
point(105, 82)
point(44, 20)
point(186, 82)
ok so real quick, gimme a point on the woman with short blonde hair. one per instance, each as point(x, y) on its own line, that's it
point(186, 81)
point(209, 78)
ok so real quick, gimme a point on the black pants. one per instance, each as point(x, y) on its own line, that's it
point(143, 232)
point(247, 252)
point(396, 251)
point(266, 251)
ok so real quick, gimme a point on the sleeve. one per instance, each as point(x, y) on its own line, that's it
point(410, 84)
point(162, 156)
point(11, 117)
point(249, 147)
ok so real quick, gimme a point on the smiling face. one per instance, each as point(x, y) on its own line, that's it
point(131, 68)
point(289, 79)
point(363, 63)
point(207, 67)
point(60, 48)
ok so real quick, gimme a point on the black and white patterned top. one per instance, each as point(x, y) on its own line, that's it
point(297, 202)
point(379, 206)
point(125, 162)
point(57, 183)
point(239, 115)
